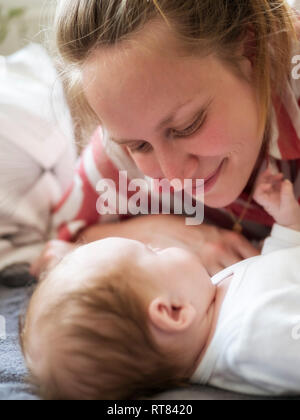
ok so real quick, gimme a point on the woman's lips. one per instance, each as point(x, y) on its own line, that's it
point(211, 180)
point(213, 174)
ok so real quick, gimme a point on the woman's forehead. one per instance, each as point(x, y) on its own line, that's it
point(121, 62)
point(140, 90)
point(151, 53)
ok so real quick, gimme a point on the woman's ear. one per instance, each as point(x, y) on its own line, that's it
point(249, 48)
point(170, 318)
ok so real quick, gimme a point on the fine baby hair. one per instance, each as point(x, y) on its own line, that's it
point(95, 343)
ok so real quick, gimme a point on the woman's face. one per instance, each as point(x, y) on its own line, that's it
point(215, 114)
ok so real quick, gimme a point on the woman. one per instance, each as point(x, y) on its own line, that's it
point(184, 89)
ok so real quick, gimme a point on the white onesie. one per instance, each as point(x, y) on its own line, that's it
point(256, 346)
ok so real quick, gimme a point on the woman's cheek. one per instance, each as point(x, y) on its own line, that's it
point(213, 142)
point(214, 138)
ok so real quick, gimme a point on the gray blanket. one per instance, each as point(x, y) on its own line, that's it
point(12, 368)
point(13, 386)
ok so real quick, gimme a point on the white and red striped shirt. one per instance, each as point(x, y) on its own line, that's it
point(103, 159)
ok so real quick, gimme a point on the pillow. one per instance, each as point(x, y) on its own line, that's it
point(37, 153)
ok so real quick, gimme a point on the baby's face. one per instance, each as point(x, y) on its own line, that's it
point(174, 272)
point(174, 275)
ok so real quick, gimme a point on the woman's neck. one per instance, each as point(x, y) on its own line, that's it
point(262, 156)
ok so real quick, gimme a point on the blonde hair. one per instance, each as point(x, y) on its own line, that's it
point(200, 26)
point(99, 345)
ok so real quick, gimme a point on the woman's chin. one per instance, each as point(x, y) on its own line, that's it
point(219, 198)
point(225, 191)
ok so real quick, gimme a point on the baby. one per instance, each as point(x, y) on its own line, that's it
point(117, 319)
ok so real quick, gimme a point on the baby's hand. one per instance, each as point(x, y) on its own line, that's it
point(277, 197)
point(52, 254)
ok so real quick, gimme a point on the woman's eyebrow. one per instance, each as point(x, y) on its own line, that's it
point(167, 120)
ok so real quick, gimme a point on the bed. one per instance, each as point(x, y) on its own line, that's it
point(13, 372)
point(12, 368)
point(15, 245)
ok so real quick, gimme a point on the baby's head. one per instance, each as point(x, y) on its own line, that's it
point(116, 320)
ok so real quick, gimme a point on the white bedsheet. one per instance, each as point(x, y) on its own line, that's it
point(37, 153)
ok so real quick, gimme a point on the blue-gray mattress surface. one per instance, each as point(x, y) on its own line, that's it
point(13, 385)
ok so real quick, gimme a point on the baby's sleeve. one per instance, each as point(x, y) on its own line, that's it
point(281, 238)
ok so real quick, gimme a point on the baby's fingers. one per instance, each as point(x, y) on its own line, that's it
point(265, 188)
point(287, 192)
point(39, 266)
point(262, 192)
point(268, 177)
point(287, 188)
point(47, 256)
point(36, 267)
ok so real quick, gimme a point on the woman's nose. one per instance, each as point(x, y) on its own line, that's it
point(178, 165)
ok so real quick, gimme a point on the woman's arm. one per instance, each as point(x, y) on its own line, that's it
point(218, 248)
point(77, 209)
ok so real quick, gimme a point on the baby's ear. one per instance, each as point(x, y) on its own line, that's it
point(170, 318)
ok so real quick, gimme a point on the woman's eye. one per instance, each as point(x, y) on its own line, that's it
point(142, 148)
point(146, 147)
point(191, 129)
